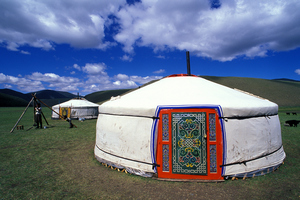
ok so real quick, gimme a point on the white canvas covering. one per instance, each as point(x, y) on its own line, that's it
point(127, 125)
point(80, 108)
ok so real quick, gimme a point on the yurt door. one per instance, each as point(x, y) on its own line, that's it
point(189, 144)
point(65, 111)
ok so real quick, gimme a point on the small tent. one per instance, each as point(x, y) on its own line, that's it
point(75, 109)
point(186, 127)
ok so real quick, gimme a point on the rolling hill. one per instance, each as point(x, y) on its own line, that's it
point(7, 100)
point(101, 96)
point(284, 92)
point(10, 92)
point(11, 98)
point(51, 94)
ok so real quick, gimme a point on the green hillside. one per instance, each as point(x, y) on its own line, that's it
point(12, 101)
point(285, 93)
point(51, 94)
point(11, 98)
point(26, 97)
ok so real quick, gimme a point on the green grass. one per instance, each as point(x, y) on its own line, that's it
point(58, 163)
point(35, 163)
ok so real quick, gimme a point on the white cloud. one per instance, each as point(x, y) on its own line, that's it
point(120, 81)
point(236, 28)
point(96, 80)
point(131, 84)
point(220, 30)
point(12, 46)
point(7, 86)
point(24, 52)
point(124, 84)
point(117, 83)
point(23, 84)
point(122, 77)
point(39, 23)
point(143, 80)
point(43, 44)
point(126, 58)
point(160, 56)
point(60, 83)
point(99, 79)
point(94, 68)
point(91, 88)
point(75, 66)
point(160, 71)
point(297, 71)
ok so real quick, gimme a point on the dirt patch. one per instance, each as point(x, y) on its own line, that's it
point(100, 182)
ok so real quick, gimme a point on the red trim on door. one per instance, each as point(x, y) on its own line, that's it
point(168, 143)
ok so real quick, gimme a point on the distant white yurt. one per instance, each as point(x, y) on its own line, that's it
point(75, 109)
point(186, 127)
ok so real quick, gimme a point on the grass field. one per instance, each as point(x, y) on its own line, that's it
point(58, 163)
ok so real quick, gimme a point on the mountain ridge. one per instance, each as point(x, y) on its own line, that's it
point(284, 92)
point(12, 98)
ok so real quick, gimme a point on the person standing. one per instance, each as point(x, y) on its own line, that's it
point(38, 114)
point(68, 120)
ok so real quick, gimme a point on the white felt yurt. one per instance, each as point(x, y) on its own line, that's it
point(186, 127)
point(75, 109)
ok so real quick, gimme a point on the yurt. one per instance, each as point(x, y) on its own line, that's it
point(75, 109)
point(186, 127)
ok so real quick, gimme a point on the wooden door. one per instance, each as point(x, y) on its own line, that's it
point(189, 144)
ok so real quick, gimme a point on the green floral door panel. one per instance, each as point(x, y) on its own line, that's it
point(189, 143)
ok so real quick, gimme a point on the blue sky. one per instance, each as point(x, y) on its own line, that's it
point(88, 46)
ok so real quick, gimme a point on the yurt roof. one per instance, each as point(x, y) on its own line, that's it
point(188, 91)
point(77, 103)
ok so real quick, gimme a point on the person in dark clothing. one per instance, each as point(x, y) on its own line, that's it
point(68, 120)
point(38, 114)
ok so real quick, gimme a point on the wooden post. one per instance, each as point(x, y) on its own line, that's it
point(34, 116)
point(45, 118)
point(22, 115)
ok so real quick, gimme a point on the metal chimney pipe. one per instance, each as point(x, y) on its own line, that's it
point(188, 63)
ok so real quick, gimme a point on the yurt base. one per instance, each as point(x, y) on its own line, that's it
point(154, 175)
point(188, 180)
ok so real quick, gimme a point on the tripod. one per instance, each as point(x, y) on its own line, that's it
point(34, 103)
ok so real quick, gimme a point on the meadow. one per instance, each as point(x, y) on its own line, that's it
point(58, 163)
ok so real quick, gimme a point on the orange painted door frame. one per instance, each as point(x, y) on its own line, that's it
point(171, 151)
